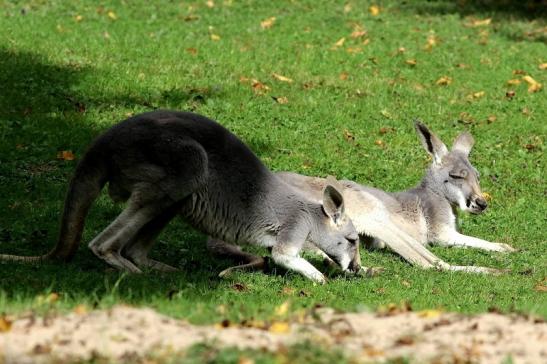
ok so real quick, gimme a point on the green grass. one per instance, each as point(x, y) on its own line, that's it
point(63, 81)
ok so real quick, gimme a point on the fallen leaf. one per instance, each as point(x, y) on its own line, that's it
point(210, 4)
point(281, 100)
point(510, 94)
point(279, 327)
point(358, 32)
point(192, 51)
point(343, 76)
point(525, 111)
point(190, 17)
point(473, 23)
point(374, 10)
point(462, 65)
point(340, 42)
point(386, 129)
point(112, 15)
point(491, 119)
point(354, 49)
point(245, 360)
point(466, 118)
point(80, 309)
point(476, 95)
point(287, 291)
point(379, 143)
point(259, 87)
point(267, 23)
point(5, 324)
point(215, 37)
point(406, 283)
point(65, 155)
point(386, 114)
point(282, 309)
point(404, 340)
point(513, 82)
point(281, 78)
point(519, 72)
point(432, 41)
point(348, 136)
point(487, 196)
point(533, 85)
point(411, 62)
point(429, 313)
point(78, 18)
point(347, 8)
point(401, 50)
point(240, 287)
point(542, 66)
point(444, 81)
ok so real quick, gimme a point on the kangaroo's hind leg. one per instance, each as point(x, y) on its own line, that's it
point(137, 250)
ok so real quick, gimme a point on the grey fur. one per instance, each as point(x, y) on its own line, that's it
point(407, 221)
point(168, 163)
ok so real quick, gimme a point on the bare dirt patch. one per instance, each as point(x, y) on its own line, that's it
point(127, 334)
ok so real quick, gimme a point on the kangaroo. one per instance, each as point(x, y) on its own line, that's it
point(407, 221)
point(166, 163)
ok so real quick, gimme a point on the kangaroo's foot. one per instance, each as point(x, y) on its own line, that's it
point(257, 263)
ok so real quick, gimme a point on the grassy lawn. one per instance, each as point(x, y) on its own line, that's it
point(69, 70)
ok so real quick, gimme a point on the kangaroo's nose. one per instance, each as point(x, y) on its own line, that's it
point(481, 202)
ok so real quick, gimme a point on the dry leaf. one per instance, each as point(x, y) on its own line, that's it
point(190, 17)
point(245, 360)
point(386, 114)
point(192, 51)
point(406, 283)
point(473, 23)
point(215, 37)
point(401, 50)
point(491, 119)
point(429, 313)
point(281, 78)
point(348, 136)
point(432, 41)
point(379, 143)
point(478, 95)
point(386, 129)
point(444, 81)
point(513, 82)
point(358, 32)
point(267, 23)
point(282, 309)
point(259, 87)
point(5, 324)
point(374, 10)
point(340, 42)
point(279, 327)
point(533, 85)
point(210, 4)
point(543, 66)
point(281, 100)
point(78, 18)
point(347, 8)
point(80, 310)
point(487, 196)
point(411, 62)
point(354, 50)
point(539, 288)
point(65, 155)
point(510, 94)
point(343, 76)
point(112, 15)
point(519, 72)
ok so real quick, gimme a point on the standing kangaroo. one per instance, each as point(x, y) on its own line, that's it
point(407, 221)
point(167, 163)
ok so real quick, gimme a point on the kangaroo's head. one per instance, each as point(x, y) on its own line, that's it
point(451, 174)
point(333, 232)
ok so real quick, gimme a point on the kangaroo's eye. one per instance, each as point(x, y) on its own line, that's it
point(456, 175)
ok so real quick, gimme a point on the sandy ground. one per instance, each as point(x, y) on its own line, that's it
point(126, 334)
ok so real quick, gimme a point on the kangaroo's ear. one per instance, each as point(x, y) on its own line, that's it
point(464, 142)
point(333, 201)
point(432, 144)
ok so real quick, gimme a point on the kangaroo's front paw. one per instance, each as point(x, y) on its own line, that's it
point(318, 277)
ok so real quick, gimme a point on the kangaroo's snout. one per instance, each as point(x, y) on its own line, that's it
point(481, 203)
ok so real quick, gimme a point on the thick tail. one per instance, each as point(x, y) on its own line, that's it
point(86, 184)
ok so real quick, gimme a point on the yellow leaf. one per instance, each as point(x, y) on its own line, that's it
point(429, 313)
point(80, 310)
point(343, 76)
point(358, 33)
point(543, 66)
point(478, 95)
point(479, 22)
point(282, 309)
point(245, 360)
point(279, 327)
point(268, 23)
point(487, 196)
point(432, 41)
point(281, 100)
point(78, 18)
point(281, 78)
point(444, 81)
point(411, 62)
point(215, 37)
point(533, 85)
point(340, 42)
point(354, 49)
point(210, 3)
point(374, 10)
point(347, 8)
point(112, 15)
point(5, 324)
point(513, 82)
point(491, 119)
point(65, 155)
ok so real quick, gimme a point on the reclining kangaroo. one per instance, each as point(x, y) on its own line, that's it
point(167, 163)
point(407, 221)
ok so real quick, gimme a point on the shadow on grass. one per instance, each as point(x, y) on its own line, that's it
point(44, 109)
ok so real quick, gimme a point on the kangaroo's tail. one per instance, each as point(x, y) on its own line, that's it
point(86, 184)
